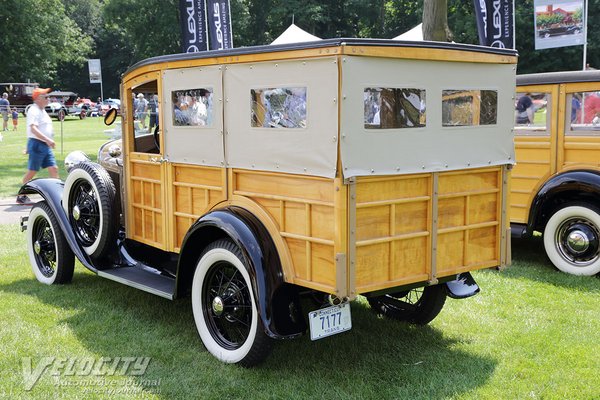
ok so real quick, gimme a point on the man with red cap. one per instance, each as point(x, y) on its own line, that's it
point(39, 140)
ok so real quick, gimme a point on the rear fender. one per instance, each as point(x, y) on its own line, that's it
point(462, 287)
point(278, 302)
point(51, 190)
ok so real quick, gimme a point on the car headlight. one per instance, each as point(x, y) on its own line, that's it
point(74, 158)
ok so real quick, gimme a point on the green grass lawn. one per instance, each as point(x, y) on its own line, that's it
point(531, 333)
point(87, 135)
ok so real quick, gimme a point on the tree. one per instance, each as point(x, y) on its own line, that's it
point(37, 37)
point(435, 20)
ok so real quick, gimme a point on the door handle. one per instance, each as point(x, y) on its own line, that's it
point(158, 160)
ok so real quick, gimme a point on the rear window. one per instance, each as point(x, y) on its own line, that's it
point(278, 107)
point(469, 107)
point(394, 108)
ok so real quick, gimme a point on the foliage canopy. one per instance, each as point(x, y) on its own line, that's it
point(49, 41)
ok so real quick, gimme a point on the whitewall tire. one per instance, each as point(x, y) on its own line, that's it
point(572, 240)
point(224, 307)
point(89, 202)
point(51, 258)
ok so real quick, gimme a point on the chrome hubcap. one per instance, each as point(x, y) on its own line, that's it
point(218, 306)
point(37, 247)
point(578, 241)
point(76, 213)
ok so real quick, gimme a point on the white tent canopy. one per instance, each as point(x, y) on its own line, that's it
point(415, 34)
point(294, 34)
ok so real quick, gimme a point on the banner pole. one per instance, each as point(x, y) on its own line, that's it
point(585, 35)
point(514, 25)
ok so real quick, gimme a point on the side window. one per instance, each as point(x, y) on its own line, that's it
point(584, 113)
point(144, 108)
point(532, 113)
point(278, 107)
point(393, 108)
point(192, 107)
point(469, 107)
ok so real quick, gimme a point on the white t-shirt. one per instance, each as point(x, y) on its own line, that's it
point(40, 118)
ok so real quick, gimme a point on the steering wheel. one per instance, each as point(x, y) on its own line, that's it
point(156, 136)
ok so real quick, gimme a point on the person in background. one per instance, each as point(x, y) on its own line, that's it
point(153, 111)
point(141, 109)
point(5, 110)
point(591, 108)
point(15, 118)
point(525, 109)
point(40, 140)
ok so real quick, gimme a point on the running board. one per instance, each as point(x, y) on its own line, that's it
point(142, 278)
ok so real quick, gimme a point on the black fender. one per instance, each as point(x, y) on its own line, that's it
point(462, 287)
point(567, 187)
point(278, 302)
point(51, 190)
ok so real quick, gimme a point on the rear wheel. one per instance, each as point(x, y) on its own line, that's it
point(224, 307)
point(51, 258)
point(572, 239)
point(89, 201)
point(60, 116)
point(417, 306)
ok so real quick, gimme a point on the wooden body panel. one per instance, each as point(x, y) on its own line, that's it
point(194, 191)
point(401, 239)
point(146, 201)
point(302, 209)
point(535, 153)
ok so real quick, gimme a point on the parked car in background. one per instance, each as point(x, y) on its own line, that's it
point(19, 94)
point(109, 103)
point(556, 183)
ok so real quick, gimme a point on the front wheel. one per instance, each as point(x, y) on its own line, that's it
point(51, 258)
point(416, 306)
point(89, 201)
point(572, 240)
point(224, 307)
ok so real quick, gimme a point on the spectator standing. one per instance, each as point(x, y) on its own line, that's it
point(40, 140)
point(141, 109)
point(153, 110)
point(5, 110)
point(15, 118)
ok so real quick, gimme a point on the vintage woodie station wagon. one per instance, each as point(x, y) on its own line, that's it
point(556, 182)
point(329, 169)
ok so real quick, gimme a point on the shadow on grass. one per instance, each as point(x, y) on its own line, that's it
point(531, 262)
point(378, 358)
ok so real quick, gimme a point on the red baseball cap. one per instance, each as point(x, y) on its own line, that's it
point(38, 91)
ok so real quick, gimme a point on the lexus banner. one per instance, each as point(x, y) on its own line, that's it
point(495, 23)
point(194, 37)
point(219, 24)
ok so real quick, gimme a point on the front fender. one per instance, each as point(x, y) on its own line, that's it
point(571, 186)
point(51, 190)
point(278, 302)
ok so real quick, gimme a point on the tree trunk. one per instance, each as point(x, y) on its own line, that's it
point(435, 21)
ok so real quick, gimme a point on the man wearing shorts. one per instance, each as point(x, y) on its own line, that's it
point(4, 110)
point(39, 140)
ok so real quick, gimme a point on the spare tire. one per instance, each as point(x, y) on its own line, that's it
point(89, 201)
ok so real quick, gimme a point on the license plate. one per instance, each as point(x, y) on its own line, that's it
point(329, 321)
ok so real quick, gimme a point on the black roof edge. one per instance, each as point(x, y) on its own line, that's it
point(320, 44)
point(547, 78)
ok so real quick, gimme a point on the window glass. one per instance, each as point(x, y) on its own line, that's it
point(584, 112)
point(469, 107)
point(393, 108)
point(532, 113)
point(192, 107)
point(278, 107)
point(144, 108)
